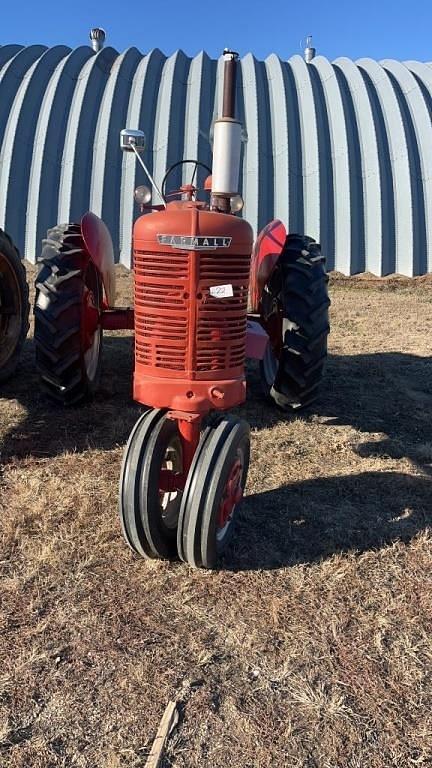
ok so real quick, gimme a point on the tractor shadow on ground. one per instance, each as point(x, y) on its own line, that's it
point(309, 521)
point(386, 396)
point(48, 430)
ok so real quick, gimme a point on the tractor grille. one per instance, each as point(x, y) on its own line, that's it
point(161, 320)
point(163, 311)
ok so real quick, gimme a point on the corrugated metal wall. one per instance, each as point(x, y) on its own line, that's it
point(341, 151)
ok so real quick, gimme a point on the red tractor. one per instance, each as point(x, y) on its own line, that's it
point(14, 306)
point(186, 461)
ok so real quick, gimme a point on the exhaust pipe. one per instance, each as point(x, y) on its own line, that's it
point(226, 141)
point(230, 74)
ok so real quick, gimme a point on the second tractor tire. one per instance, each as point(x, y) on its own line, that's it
point(14, 306)
point(295, 312)
point(68, 333)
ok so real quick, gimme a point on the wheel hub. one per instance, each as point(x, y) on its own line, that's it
point(91, 334)
point(232, 495)
point(170, 482)
point(91, 318)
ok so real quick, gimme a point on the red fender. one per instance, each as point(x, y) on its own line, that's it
point(266, 251)
point(98, 243)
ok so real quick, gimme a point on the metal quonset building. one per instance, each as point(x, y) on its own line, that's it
point(341, 151)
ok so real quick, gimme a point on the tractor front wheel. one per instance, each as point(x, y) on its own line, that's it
point(213, 492)
point(68, 307)
point(14, 306)
point(294, 312)
point(150, 497)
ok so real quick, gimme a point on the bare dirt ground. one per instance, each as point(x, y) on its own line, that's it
point(311, 647)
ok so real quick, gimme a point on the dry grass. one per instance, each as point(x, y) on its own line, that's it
point(312, 647)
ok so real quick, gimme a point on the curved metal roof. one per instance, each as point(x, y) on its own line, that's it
point(340, 151)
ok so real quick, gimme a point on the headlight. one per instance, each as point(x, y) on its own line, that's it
point(142, 195)
point(237, 203)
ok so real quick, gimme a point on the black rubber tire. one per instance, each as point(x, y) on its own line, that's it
point(141, 516)
point(14, 296)
point(298, 290)
point(129, 489)
point(186, 539)
point(65, 274)
point(204, 490)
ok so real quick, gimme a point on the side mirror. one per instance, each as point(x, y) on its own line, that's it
point(130, 138)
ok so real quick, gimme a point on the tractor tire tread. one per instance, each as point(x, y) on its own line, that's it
point(58, 318)
point(302, 294)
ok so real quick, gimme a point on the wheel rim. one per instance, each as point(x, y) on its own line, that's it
point(91, 357)
point(270, 362)
point(92, 331)
point(231, 497)
point(10, 310)
point(269, 365)
point(169, 501)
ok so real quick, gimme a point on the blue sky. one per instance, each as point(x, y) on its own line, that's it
point(375, 28)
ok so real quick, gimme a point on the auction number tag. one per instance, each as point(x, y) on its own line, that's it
point(221, 291)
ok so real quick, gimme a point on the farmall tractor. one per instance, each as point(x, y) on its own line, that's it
point(186, 461)
point(14, 306)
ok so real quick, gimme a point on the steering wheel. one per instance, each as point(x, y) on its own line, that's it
point(195, 163)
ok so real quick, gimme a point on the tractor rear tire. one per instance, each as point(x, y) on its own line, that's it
point(68, 293)
point(295, 313)
point(14, 306)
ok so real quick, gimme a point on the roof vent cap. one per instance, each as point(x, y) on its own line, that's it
point(97, 37)
point(309, 51)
